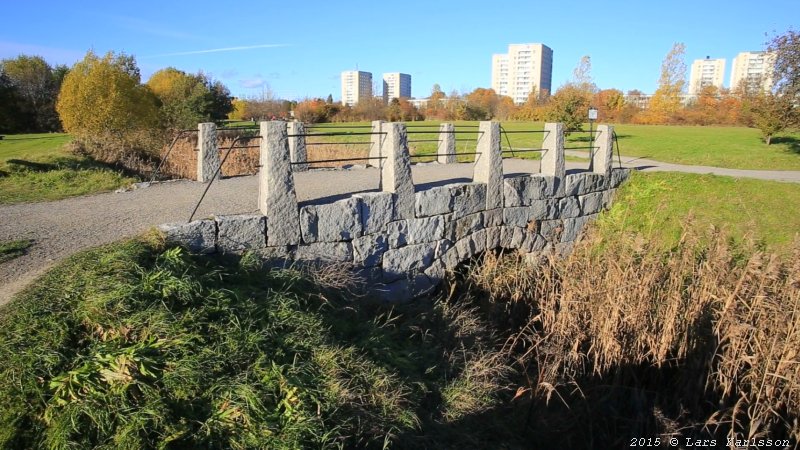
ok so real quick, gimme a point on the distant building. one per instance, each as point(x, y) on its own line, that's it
point(356, 86)
point(525, 68)
point(706, 72)
point(396, 85)
point(753, 70)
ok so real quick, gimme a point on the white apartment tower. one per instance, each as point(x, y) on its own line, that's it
point(706, 72)
point(396, 85)
point(753, 70)
point(524, 68)
point(356, 86)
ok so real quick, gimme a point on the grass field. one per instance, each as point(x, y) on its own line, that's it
point(657, 205)
point(12, 249)
point(35, 167)
point(730, 147)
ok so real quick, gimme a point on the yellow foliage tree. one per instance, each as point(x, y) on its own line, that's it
point(239, 110)
point(104, 97)
point(666, 100)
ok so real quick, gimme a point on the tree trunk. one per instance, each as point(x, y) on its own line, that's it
point(769, 139)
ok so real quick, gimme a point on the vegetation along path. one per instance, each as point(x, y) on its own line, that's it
point(59, 228)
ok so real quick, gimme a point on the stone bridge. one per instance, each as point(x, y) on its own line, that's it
point(400, 240)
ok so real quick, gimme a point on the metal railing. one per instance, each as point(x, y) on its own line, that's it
point(217, 173)
point(169, 150)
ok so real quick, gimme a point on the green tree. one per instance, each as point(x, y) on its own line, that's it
point(771, 113)
point(569, 105)
point(184, 98)
point(103, 97)
point(666, 100)
point(34, 86)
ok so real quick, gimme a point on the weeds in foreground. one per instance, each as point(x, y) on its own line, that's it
point(139, 346)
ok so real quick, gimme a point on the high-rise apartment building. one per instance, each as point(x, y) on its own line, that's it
point(706, 72)
point(396, 85)
point(524, 69)
point(356, 86)
point(753, 70)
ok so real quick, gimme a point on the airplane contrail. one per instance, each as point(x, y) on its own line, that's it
point(217, 50)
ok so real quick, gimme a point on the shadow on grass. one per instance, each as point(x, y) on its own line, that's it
point(63, 163)
point(791, 142)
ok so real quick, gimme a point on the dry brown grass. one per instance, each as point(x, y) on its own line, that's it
point(703, 340)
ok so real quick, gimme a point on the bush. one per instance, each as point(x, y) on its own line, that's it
point(111, 115)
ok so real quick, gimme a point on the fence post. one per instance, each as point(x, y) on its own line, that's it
point(297, 145)
point(602, 156)
point(276, 195)
point(447, 144)
point(489, 163)
point(553, 164)
point(207, 153)
point(396, 171)
point(375, 143)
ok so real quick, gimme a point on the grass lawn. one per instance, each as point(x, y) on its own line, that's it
point(731, 147)
point(35, 167)
point(658, 204)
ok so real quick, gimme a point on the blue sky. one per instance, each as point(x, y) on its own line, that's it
point(299, 49)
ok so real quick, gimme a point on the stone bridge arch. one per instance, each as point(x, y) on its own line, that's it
point(403, 241)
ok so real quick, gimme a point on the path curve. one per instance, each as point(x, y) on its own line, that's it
point(61, 228)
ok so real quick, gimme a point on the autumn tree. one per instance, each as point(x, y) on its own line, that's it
point(103, 104)
point(481, 104)
point(32, 86)
point(570, 103)
point(771, 113)
point(238, 112)
point(609, 104)
point(435, 108)
point(666, 100)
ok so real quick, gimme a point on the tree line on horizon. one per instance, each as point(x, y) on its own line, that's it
point(103, 98)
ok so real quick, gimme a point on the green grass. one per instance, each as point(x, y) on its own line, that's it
point(35, 167)
point(134, 345)
point(656, 205)
point(12, 249)
point(730, 147)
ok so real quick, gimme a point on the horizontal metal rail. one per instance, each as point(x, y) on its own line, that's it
point(240, 148)
point(444, 132)
point(344, 133)
point(434, 155)
point(338, 160)
point(581, 148)
point(338, 143)
point(528, 150)
point(423, 140)
point(337, 126)
point(525, 131)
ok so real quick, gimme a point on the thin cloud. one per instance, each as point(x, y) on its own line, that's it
point(253, 83)
point(219, 50)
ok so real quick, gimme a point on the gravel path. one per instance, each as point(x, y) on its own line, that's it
point(61, 228)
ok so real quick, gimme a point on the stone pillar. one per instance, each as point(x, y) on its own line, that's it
point(376, 142)
point(207, 153)
point(396, 172)
point(489, 163)
point(297, 146)
point(553, 158)
point(447, 144)
point(603, 153)
point(276, 196)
